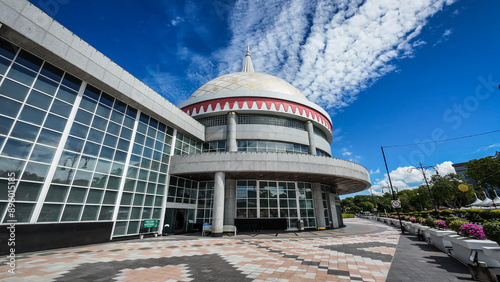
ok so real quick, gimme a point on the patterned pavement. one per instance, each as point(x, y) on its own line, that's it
point(362, 251)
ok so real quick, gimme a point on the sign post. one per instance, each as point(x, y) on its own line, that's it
point(396, 204)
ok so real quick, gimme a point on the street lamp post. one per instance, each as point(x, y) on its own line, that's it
point(422, 170)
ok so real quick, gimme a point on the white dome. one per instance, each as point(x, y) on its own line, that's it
point(248, 81)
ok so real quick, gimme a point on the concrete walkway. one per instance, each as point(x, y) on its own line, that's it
point(362, 251)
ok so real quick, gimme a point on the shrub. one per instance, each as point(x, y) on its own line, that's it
point(445, 213)
point(413, 220)
point(431, 222)
point(449, 220)
point(492, 231)
point(495, 214)
point(455, 224)
point(347, 215)
point(473, 214)
point(459, 212)
point(440, 224)
point(472, 231)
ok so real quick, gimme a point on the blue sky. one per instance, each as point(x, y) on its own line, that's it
point(388, 72)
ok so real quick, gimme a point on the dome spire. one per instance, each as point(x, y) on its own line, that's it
point(247, 63)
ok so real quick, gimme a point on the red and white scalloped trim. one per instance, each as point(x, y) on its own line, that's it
point(257, 103)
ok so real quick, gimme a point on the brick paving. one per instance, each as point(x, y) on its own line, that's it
point(362, 251)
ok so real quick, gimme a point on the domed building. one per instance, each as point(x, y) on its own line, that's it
point(267, 149)
point(89, 153)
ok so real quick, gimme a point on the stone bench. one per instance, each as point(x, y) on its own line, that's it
point(229, 229)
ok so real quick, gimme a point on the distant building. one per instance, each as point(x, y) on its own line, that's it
point(90, 153)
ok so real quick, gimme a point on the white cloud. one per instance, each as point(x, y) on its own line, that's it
point(375, 172)
point(329, 51)
point(177, 21)
point(444, 37)
point(406, 178)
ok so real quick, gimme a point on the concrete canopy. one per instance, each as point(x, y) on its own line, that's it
point(347, 176)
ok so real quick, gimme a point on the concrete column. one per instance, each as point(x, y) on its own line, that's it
point(218, 212)
point(318, 205)
point(310, 132)
point(230, 202)
point(231, 144)
point(333, 210)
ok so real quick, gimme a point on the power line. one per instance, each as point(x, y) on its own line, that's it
point(445, 140)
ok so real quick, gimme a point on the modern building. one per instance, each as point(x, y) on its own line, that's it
point(88, 153)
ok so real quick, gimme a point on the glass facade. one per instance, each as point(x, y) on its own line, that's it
point(182, 190)
point(271, 146)
point(275, 199)
point(77, 153)
point(215, 146)
point(213, 121)
point(186, 145)
point(204, 206)
point(270, 120)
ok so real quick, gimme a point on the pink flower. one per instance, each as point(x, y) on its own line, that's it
point(472, 231)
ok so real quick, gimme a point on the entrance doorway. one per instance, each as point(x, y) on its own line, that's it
point(180, 221)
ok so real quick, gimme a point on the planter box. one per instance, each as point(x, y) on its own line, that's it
point(437, 239)
point(421, 231)
point(414, 228)
point(463, 247)
point(492, 252)
point(407, 225)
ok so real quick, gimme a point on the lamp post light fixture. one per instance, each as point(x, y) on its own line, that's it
point(422, 170)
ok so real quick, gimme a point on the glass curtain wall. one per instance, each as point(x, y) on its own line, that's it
point(273, 199)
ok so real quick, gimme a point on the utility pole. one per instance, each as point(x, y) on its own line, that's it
point(422, 170)
point(392, 190)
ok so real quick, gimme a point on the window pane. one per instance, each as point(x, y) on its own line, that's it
point(94, 196)
point(45, 85)
point(27, 191)
point(39, 100)
point(42, 154)
point(50, 212)
point(52, 72)
point(74, 144)
point(55, 123)
point(60, 108)
point(82, 178)
point(109, 198)
point(83, 116)
point(25, 131)
point(71, 213)
point(21, 74)
point(29, 60)
point(90, 213)
point(106, 213)
point(65, 94)
point(16, 148)
point(9, 107)
point(32, 115)
point(23, 212)
point(49, 137)
point(14, 90)
point(57, 193)
point(77, 195)
point(35, 171)
point(5, 125)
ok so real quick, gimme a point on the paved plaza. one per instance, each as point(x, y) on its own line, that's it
point(362, 251)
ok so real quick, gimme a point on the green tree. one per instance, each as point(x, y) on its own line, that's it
point(367, 206)
point(445, 191)
point(485, 171)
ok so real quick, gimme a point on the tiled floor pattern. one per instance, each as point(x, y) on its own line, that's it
point(361, 252)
